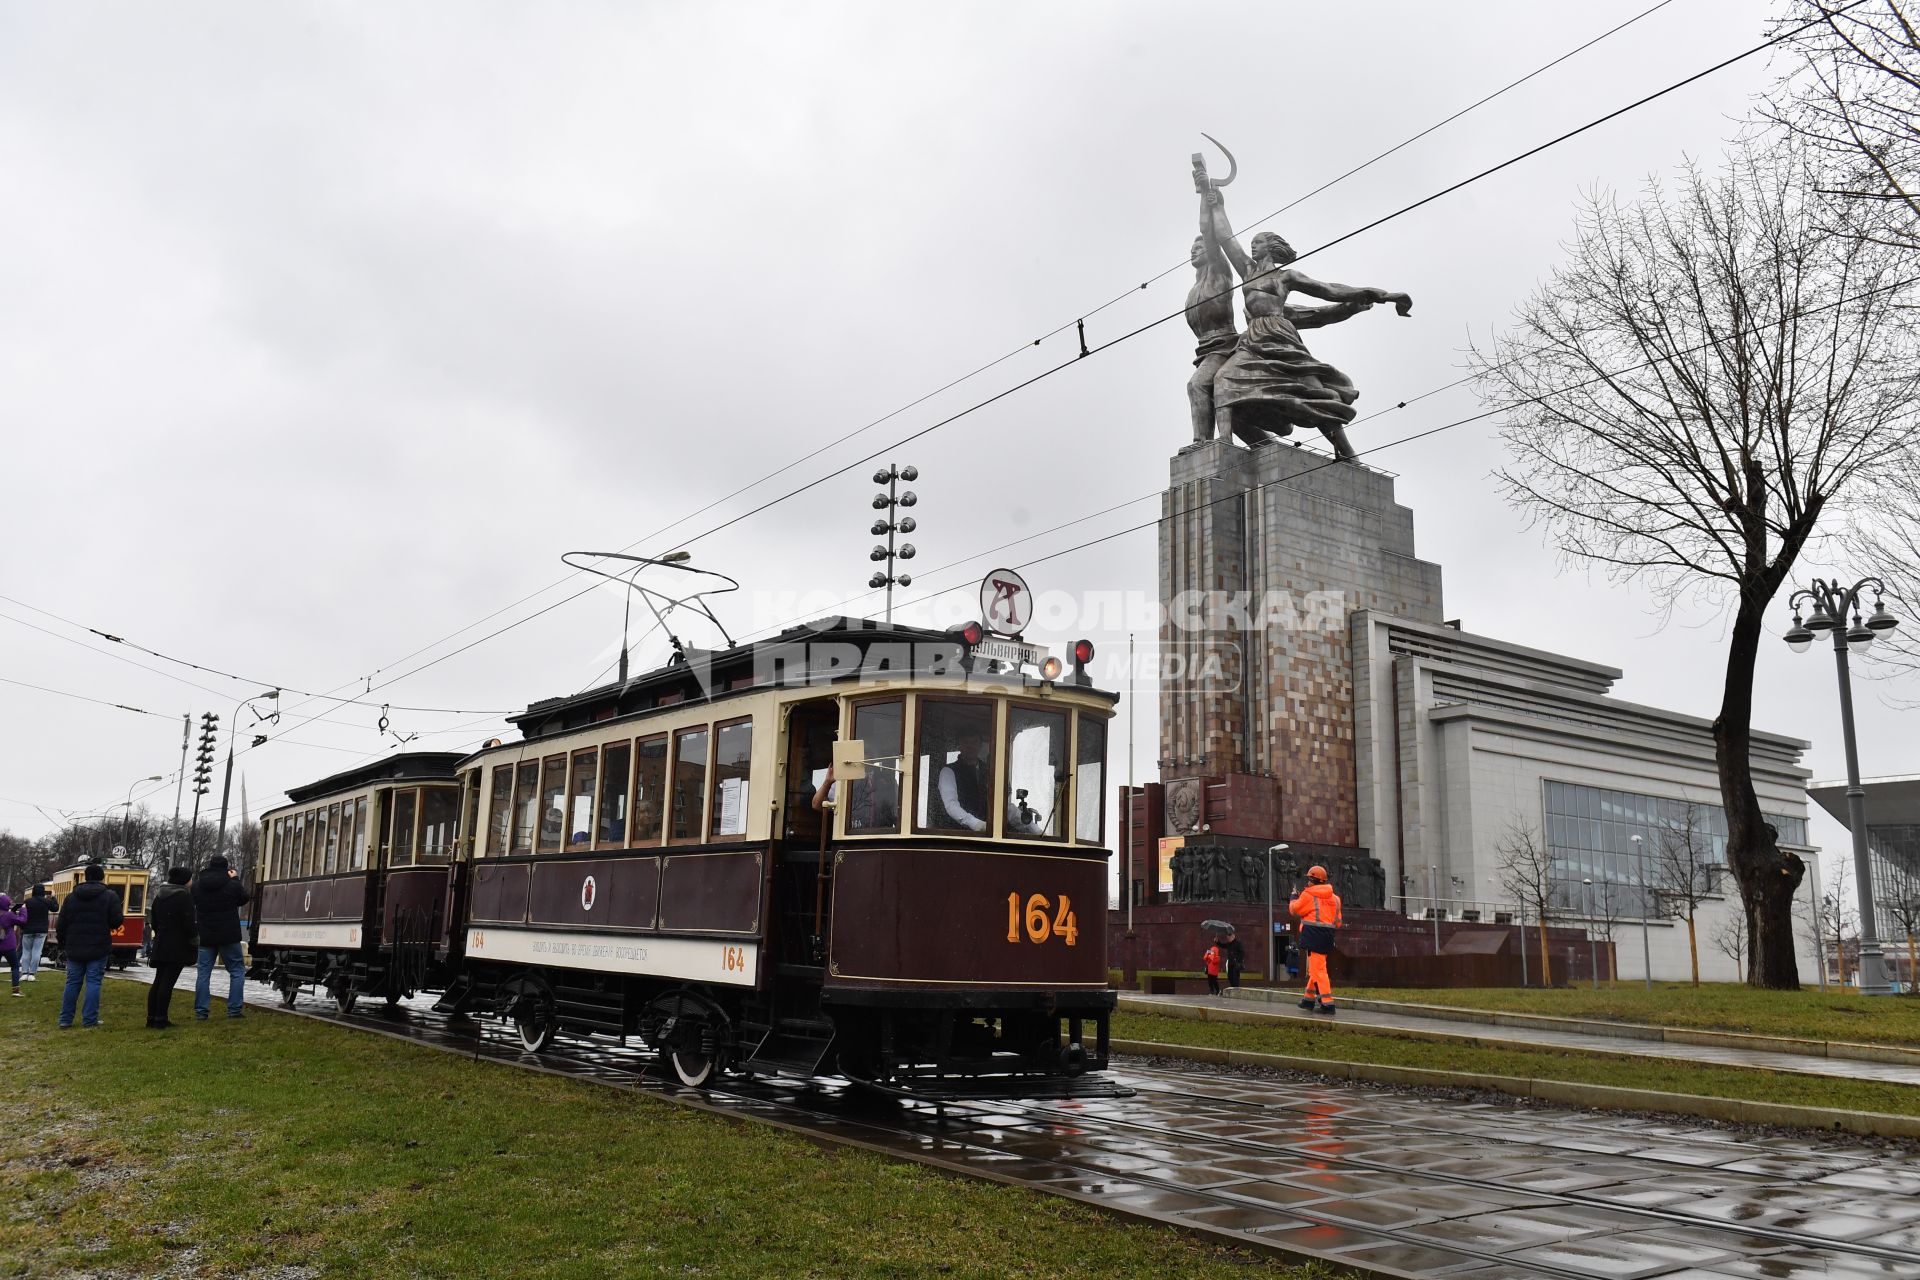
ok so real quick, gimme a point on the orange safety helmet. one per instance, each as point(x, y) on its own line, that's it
point(1316, 873)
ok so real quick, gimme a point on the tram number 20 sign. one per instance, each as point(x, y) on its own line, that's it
point(1040, 920)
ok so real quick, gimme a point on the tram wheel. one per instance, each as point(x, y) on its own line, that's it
point(289, 988)
point(535, 1022)
point(344, 998)
point(693, 1067)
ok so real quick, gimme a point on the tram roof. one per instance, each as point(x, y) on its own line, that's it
point(707, 674)
point(406, 766)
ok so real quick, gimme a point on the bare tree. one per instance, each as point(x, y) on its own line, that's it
point(1839, 923)
point(1730, 940)
point(1683, 877)
point(1526, 876)
point(1853, 102)
point(1707, 378)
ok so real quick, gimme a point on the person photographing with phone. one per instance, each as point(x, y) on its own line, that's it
point(1318, 909)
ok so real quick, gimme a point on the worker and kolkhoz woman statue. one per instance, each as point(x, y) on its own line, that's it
point(1261, 384)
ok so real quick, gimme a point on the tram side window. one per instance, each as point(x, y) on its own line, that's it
point(732, 781)
point(617, 760)
point(439, 815)
point(136, 898)
point(954, 777)
point(279, 866)
point(359, 835)
point(1036, 799)
point(333, 837)
point(296, 866)
point(553, 814)
point(873, 802)
point(401, 809)
point(500, 811)
point(580, 799)
point(649, 790)
point(1090, 780)
point(689, 785)
point(526, 805)
point(316, 840)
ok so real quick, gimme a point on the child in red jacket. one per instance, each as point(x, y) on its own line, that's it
point(1212, 959)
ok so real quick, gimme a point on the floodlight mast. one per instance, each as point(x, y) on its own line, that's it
point(695, 600)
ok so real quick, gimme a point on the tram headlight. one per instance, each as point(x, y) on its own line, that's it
point(1051, 669)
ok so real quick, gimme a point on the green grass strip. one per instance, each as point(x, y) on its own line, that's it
point(1337, 1042)
point(1807, 1014)
point(237, 1148)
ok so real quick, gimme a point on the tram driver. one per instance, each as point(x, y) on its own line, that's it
point(965, 783)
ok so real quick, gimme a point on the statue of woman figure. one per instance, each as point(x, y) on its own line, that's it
point(1272, 383)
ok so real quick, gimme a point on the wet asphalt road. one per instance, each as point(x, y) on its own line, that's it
point(1389, 1182)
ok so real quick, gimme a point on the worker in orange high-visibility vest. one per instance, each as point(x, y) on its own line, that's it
point(1318, 909)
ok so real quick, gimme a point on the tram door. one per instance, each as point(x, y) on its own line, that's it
point(800, 893)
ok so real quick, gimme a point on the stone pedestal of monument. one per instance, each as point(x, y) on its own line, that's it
point(1265, 555)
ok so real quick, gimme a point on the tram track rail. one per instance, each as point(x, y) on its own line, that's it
point(1088, 1158)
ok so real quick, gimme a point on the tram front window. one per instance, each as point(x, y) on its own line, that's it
point(1036, 773)
point(873, 802)
point(1090, 765)
point(439, 811)
point(955, 773)
point(401, 811)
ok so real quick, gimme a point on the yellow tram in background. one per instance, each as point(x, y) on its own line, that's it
point(133, 884)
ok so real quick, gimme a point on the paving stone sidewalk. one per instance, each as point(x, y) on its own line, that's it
point(1540, 1038)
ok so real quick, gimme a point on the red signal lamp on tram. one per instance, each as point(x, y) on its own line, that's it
point(972, 634)
point(1082, 655)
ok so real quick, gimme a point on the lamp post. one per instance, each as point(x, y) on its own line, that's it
point(1593, 948)
point(226, 788)
point(1827, 605)
point(1646, 908)
point(887, 503)
point(126, 821)
point(1273, 949)
point(1433, 904)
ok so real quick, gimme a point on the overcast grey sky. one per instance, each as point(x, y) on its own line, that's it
point(326, 329)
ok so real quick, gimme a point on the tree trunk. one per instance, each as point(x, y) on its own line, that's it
point(1693, 949)
point(1546, 970)
point(1913, 968)
point(1767, 877)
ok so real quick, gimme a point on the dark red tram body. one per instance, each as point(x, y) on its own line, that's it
point(361, 881)
point(648, 861)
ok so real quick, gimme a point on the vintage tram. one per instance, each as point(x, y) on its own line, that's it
point(877, 850)
point(358, 892)
point(132, 884)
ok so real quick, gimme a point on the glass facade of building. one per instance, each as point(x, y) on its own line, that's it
point(1590, 834)
point(1894, 855)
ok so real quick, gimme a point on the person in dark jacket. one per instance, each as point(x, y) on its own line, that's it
point(218, 896)
point(1234, 952)
point(33, 934)
point(84, 929)
point(173, 944)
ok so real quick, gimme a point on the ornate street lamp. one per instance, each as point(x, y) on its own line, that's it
point(888, 503)
point(1827, 606)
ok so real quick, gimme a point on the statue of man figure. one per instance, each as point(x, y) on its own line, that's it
point(1268, 383)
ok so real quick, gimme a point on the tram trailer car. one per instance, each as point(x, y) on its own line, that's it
point(360, 882)
point(133, 884)
point(650, 863)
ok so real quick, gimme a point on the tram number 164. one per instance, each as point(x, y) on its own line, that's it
point(1041, 919)
point(733, 959)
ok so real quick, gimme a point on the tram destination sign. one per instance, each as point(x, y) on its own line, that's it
point(1018, 652)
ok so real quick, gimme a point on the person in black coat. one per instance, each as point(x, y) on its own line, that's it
point(173, 944)
point(1234, 952)
point(218, 896)
point(84, 929)
point(33, 934)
